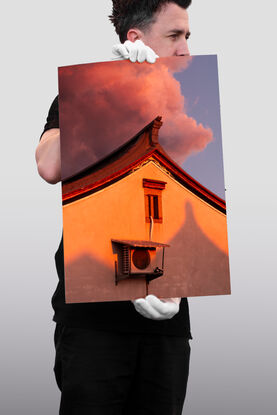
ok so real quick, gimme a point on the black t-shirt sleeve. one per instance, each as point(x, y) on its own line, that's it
point(52, 120)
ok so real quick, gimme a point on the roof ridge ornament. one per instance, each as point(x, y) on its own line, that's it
point(154, 133)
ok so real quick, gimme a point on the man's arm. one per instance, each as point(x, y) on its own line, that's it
point(48, 156)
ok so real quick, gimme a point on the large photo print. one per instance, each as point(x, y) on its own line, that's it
point(142, 180)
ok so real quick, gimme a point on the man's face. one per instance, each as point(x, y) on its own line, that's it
point(169, 34)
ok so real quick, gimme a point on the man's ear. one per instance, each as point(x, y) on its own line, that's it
point(134, 34)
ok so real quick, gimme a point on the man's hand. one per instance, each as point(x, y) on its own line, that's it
point(135, 51)
point(155, 309)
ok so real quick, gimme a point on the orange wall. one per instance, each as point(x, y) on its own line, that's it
point(118, 212)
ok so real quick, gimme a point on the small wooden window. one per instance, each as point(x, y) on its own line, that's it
point(153, 206)
point(153, 199)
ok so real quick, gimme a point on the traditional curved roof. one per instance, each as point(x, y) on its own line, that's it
point(121, 162)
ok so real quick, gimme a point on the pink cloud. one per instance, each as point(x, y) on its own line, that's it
point(103, 105)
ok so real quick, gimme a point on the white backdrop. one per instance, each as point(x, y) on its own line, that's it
point(233, 361)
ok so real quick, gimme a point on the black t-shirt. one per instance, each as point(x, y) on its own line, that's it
point(113, 315)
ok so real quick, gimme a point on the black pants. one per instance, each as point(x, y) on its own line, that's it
point(111, 373)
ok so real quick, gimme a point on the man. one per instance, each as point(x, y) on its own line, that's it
point(119, 357)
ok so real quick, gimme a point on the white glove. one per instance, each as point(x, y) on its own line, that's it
point(135, 51)
point(155, 309)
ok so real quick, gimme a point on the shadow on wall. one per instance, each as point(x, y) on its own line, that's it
point(194, 266)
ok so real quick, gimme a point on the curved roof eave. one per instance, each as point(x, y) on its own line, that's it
point(160, 155)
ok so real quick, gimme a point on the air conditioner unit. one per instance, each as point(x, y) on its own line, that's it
point(139, 259)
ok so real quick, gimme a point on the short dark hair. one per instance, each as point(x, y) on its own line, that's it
point(138, 13)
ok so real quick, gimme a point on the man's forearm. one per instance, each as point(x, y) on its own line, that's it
point(48, 156)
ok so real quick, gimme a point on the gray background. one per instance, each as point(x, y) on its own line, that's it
point(233, 361)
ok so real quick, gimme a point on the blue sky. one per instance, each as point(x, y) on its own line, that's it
point(199, 85)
